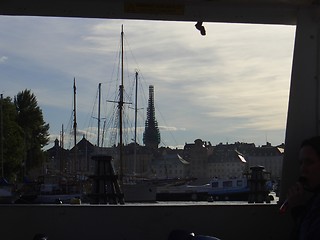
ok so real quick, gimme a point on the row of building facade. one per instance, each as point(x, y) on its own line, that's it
point(200, 160)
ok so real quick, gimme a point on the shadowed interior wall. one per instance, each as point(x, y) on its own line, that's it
point(130, 222)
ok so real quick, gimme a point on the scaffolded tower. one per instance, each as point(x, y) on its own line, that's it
point(151, 135)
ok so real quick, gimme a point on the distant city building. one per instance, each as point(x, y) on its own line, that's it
point(133, 162)
point(151, 135)
point(170, 165)
point(85, 149)
point(197, 155)
point(198, 160)
point(271, 157)
point(226, 163)
point(139, 163)
point(57, 158)
point(61, 160)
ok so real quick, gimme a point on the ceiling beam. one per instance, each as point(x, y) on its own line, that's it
point(245, 11)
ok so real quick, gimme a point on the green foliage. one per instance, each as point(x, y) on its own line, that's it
point(24, 134)
point(13, 144)
point(30, 119)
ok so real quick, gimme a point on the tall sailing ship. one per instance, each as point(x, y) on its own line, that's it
point(135, 187)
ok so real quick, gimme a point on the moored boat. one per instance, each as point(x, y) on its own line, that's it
point(216, 190)
point(8, 192)
point(50, 189)
point(235, 189)
point(139, 191)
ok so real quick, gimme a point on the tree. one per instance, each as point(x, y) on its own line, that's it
point(35, 130)
point(13, 144)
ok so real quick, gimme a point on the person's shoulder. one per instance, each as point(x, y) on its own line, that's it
point(315, 202)
point(298, 211)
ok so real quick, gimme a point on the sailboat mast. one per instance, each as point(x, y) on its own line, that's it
point(61, 154)
point(1, 137)
point(135, 124)
point(62, 137)
point(74, 125)
point(99, 105)
point(120, 110)
point(103, 129)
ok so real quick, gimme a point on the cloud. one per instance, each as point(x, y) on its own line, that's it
point(234, 79)
point(172, 129)
point(3, 59)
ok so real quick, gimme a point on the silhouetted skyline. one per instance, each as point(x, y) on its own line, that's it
point(230, 85)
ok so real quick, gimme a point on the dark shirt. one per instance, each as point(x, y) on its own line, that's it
point(307, 220)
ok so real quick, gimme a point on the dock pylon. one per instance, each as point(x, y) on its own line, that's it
point(106, 187)
point(257, 183)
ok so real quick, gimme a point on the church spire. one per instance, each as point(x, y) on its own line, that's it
point(151, 135)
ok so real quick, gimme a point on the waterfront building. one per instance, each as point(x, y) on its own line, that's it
point(271, 157)
point(137, 161)
point(226, 163)
point(84, 163)
point(170, 164)
point(268, 156)
point(59, 160)
point(198, 160)
point(197, 155)
point(56, 159)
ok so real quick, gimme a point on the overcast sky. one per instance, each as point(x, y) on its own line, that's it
point(230, 85)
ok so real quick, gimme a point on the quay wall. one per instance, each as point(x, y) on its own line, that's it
point(149, 222)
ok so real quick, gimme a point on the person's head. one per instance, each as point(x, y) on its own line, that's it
point(40, 236)
point(309, 158)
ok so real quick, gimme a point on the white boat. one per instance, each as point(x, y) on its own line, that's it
point(229, 189)
point(235, 189)
point(50, 189)
point(139, 192)
point(8, 193)
point(53, 194)
point(56, 199)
